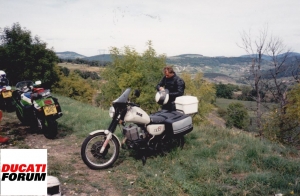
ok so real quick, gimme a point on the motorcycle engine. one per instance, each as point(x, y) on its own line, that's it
point(133, 132)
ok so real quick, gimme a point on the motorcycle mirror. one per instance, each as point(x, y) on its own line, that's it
point(137, 93)
point(38, 82)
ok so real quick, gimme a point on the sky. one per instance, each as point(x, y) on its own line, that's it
point(206, 27)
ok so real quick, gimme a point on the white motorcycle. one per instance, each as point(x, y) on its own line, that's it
point(158, 132)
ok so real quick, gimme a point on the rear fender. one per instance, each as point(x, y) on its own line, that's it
point(106, 132)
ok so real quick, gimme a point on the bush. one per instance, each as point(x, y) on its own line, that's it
point(237, 115)
point(203, 90)
point(74, 86)
point(225, 90)
point(222, 113)
point(87, 74)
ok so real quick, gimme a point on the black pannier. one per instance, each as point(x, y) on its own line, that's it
point(177, 122)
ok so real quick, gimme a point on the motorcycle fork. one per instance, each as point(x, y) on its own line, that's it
point(109, 133)
point(108, 137)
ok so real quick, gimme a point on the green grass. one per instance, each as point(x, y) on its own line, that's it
point(223, 103)
point(214, 161)
point(250, 105)
point(80, 119)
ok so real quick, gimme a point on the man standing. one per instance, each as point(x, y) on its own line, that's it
point(174, 84)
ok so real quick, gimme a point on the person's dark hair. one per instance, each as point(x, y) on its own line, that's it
point(169, 69)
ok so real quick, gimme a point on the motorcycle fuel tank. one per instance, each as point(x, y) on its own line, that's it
point(137, 115)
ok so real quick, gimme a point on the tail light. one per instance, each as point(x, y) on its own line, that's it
point(47, 102)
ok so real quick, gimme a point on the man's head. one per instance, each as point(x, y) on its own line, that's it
point(168, 71)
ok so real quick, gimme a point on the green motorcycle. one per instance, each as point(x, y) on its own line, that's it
point(37, 108)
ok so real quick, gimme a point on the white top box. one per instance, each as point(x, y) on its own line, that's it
point(187, 104)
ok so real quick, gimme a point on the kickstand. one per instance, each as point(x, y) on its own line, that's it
point(144, 160)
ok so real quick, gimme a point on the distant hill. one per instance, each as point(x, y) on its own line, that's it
point(74, 55)
point(194, 60)
point(102, 57)
point(200, 60)
point(216, 69)
point(69, 55)
point(269, 58)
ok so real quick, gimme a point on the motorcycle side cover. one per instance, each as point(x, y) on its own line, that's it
point(156, 129)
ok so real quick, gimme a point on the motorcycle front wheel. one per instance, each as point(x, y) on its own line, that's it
point(90, 151)
point(20, 117)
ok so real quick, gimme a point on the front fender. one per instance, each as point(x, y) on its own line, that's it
point(106, 132)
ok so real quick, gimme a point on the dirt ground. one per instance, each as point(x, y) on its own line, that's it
point(64, 159)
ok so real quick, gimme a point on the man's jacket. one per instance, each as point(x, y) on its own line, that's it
point(175, 85)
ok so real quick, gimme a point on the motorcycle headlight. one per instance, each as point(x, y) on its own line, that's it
point(111, 111)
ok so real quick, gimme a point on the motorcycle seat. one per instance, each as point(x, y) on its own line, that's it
point(163, 115)
point(38, 90)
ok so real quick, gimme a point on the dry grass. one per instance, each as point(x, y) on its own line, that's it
point(82, 67)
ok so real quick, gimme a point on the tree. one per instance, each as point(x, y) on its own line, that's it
point(137, 71)
point(26, 58)
point(272, 81)
point(237, 115)
point(256, 49)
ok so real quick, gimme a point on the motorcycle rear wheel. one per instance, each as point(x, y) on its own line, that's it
point(90, 151)
point(6, 104)
point(50, 130)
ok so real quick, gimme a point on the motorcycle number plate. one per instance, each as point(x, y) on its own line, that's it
point(50, 109)
point(6, 94)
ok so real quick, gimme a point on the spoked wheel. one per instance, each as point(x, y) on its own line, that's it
point(91, 151)
point(171, 142)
